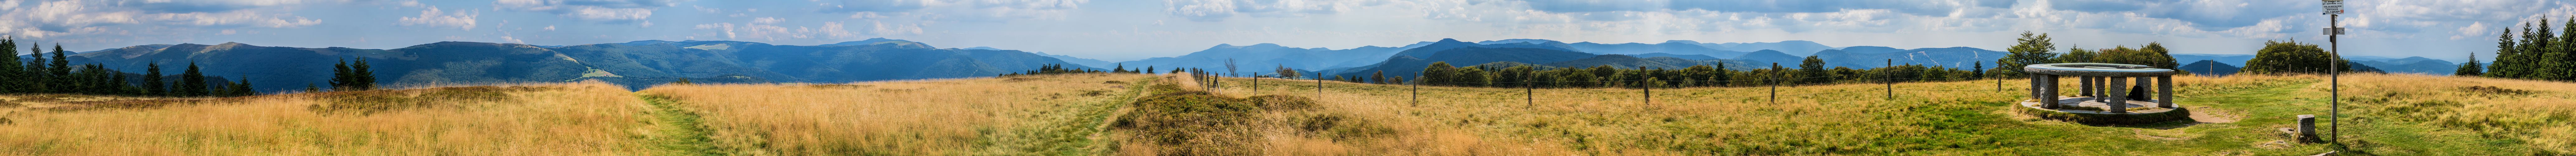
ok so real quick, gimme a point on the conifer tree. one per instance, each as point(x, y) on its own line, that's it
point(2560, 62)
point(2504, 63)
point(36, 74)
point(1980, 68)
point(242, 88)
point(152, 84)
point(11, 72)
point(343, 79)
point(62, 71)
point(2470, 69)
point(192, 82)
point(2544, 64)
point(1121, 68)
point(366, 74)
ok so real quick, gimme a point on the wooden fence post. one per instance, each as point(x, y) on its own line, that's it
point(1884, 78)
point(1775, 82)
point(1256, 83)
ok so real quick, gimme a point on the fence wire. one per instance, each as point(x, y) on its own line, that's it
point(1533, 93)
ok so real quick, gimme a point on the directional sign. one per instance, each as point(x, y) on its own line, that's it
point(2334, 7)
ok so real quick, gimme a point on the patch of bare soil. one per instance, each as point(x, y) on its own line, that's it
point(2213, 115)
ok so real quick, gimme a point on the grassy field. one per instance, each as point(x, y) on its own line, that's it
point(1133, 114)
point(556, 119)
point(2240, 115)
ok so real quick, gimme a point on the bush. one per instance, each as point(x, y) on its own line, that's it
point(1205, 124)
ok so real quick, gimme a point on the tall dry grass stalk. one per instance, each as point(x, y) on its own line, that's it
point(2541, 113)
point(588, 118)
point(1011, 115)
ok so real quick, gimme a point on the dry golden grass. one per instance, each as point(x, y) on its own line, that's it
point(2543, 113)
point(1014, 115)
point(1861, 119)
point(1074, 114)
point(589, 118)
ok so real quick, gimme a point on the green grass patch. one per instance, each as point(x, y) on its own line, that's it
point(678, 131)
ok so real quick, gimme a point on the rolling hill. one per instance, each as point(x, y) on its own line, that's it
point(637, 64)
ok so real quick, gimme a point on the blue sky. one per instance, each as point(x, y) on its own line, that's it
point(1135, 29)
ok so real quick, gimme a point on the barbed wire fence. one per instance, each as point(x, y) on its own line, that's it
point(1529, 93)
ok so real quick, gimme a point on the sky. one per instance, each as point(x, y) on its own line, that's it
point(1118, 30)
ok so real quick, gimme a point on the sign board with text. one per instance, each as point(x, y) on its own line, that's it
point(2334, 7)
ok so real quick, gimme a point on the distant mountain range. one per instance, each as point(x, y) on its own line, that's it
point(643, 63)
point(2411, 65)
point(635, 64)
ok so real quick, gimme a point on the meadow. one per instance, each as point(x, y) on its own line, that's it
point(1170, 114)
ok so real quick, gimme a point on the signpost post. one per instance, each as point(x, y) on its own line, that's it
point(2334, 16)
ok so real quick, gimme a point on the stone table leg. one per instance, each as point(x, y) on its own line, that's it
point(2164, 92)
point(2119, 104)
point(2034, 87)
point(2050, 81)
point(2086, 86)
point(2140, 90)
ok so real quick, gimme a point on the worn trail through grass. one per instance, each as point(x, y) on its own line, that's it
point(678, 131)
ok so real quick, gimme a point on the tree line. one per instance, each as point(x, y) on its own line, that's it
point(2038, 48)
point(39, 74)
point(1060, 69)
point(1512, 75)
point(2533, 54)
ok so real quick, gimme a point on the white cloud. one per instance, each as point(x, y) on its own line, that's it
point(1218, 10)
point(767, 20)
point(2472, 30)
point(76, 17)
point(550, 28)
point(609, 11)
point(436, 18)
point(961, 10)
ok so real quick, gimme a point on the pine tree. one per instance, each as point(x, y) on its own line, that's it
point(343, 79)
point(309, 88)
point(2545, 64)
point(242, 88)
point(11, 73)
point(2529, 62)
point(2561, 59)
point(1722, 77)
point(2471, 68)
point(1980, 68)
point(2505, 54)
point(62, 71)
point(152, 84)
point(362, 76)
point(192, 82)
point(2027, 50)
point(35, 74)
point(1122, 68)
point(1148, 70)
